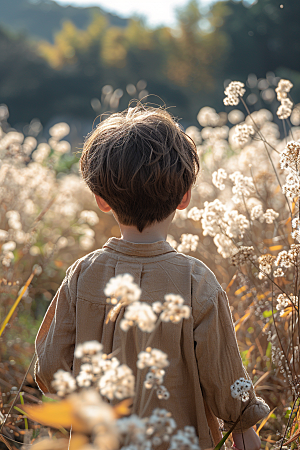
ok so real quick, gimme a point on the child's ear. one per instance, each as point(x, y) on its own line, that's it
point(185, 200)
point(102, 204)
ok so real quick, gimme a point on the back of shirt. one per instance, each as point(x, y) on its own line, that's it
point(202, 350)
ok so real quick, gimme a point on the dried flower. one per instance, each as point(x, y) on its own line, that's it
point(88, 348)
point(290, 157)
point(270, 215)
point(240, 389)
point(117, 382)
point(285, 109)
point(140, 314)
point(185, 439)
point(233, 92)
point(284, 86)
point(257, 213)
point(243, 255)
point(122, 288)
point(173, 309)
point(195, 213)
point(218, 177)
point(243, 133)
point(189, 242)
point(63, 383)
point(152, 357)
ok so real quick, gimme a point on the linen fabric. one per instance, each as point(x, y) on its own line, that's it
point(202, 350)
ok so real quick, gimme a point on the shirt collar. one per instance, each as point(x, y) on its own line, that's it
point(134, 249)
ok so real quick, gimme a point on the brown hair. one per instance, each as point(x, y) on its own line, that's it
point(141, 163)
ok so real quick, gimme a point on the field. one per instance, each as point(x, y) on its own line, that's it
point(243, 223)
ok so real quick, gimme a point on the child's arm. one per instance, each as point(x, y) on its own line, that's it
point(249, 438)
point(220, 364)
point(55, 341)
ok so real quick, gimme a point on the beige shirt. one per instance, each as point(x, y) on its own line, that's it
point(202, 350)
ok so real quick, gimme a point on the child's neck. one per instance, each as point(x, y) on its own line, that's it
point(156, 232)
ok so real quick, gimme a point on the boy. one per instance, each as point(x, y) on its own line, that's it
point(141, 165)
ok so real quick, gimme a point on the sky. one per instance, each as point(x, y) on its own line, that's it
point(157, 12)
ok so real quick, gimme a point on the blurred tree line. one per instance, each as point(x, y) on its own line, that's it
point(185, 66)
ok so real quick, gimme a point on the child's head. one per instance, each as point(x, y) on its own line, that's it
point(141, 163)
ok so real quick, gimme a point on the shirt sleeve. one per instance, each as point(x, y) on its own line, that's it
point(220, 365)
point(55, 341)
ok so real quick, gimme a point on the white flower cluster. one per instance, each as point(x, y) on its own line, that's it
point(64, 383)
point(113, 379)
point(240, 389)
point(185, 439)
point(132, 429)
point(117, 382)
point(140, 314)
point(208, 117)
point(122, 289)
point(189, 242)
point(243, 186)
point(224, 245)
point(90, 217)
point(243, 255)
point(287, 258)
point(195, 213)
point(152, 357)
point(265, 265)
point(172, 309)
point(243, 133)
point(282, 302)
point(218, 178)
point(257, 213)
point(233, 92)
point(296, 229)
point(285, 109)
point(160, 426)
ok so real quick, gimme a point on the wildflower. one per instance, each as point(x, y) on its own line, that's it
point(132, 429)
point(284, 259)
point(162, 393)
point(160, 426)
point(243, 186)
point(185, 439)
point(117, 383)
point(195, 213)
point(243, 133)
point(240, 389)
point(265, 265)
point(85, 377)
point(7, 259)
point(270, 215)
point(152, 357)
point(285, 109)
point(8, 247)
point(243, 255)
point(122, 288)
point(59, 130)
point(207, 116)
point(278, 273)
point(37, 270)
point(88, 348)
point(173, 309)
point(212, 217)
point(234, 224)
point(189, 242)
point(140, 314)
point(284, 86)
point(282, 302)
point(257, 213)
point(292, 186)
point(63, 383)
point(224, 245)
point(154, 378)
point(218, 177)
point(290, 157)
point(89, 217)
point(195, 134)
point(233, 92)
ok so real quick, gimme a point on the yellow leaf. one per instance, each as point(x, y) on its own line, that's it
point(242, 320)
point(287, 311)
point(242, 289)
point(294, 204)
point(249, 294)
point(262, 378)
point(123, 408)
point(56, 415)
point(288, 220)
point(273, 248)
point(250, 350)
point(264, 421)
point(78, 441)
point(230, 283)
